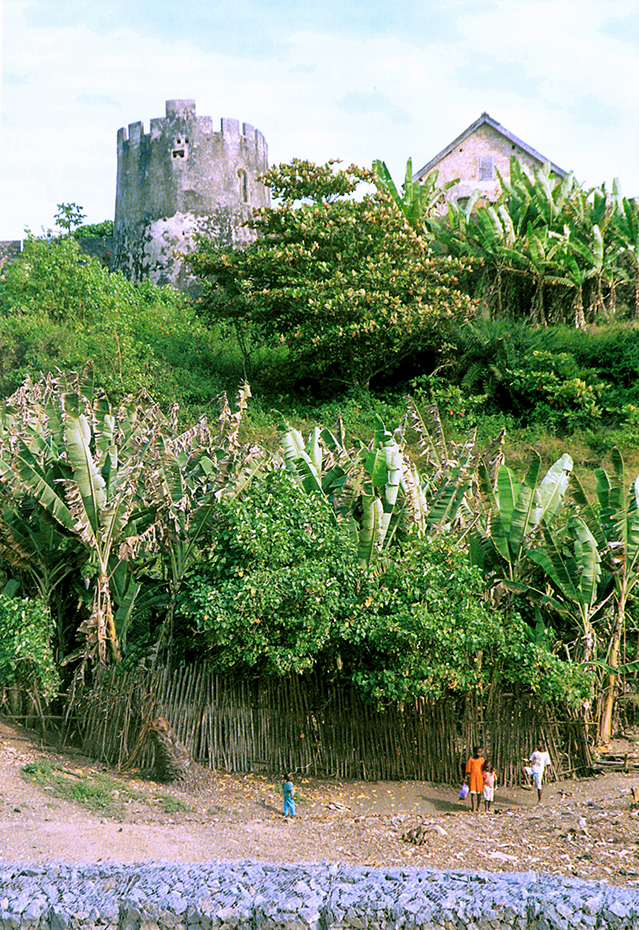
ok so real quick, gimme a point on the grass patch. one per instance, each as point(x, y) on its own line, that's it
point(99, 793)
point(171, 804)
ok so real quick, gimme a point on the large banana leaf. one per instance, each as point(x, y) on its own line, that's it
point(38, 483)
point(553, 487)
point(526, 510)
point(577, 578)
point(90, 482)
point(445, 502)
point(372, 533)
point(515, 511)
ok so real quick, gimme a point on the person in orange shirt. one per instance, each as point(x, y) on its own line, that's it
point(475, 778)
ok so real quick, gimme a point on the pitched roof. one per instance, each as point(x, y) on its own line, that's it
point(488, 121)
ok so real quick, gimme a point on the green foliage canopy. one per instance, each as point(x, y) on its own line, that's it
point(345, 283)
point(60, 309)
point(280, 591)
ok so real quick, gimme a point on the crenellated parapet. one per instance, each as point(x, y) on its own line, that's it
point(181, 178)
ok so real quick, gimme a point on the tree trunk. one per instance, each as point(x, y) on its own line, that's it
point(605, 729)
point(580, 319)
point(172, 760)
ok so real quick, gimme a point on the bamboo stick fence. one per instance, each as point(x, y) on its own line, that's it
point(320, 728)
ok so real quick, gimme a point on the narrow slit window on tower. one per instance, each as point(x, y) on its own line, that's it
point(243, 183)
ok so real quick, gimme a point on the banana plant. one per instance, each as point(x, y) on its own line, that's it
point(185, 478)
point(513, 515)
point(541, 199)
point(574, 274)
point(34, 546)
point(418, 199)
point(536, 256)
point(372, 478)
point(571, 561)
point(615, 526)
point(65, 456)
point(377, 490)
point(625, 225)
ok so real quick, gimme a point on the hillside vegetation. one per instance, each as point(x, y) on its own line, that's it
point(484, 530)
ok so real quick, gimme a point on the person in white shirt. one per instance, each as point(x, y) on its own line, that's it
point(539, 760)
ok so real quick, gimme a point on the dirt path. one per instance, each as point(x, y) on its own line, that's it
point(586, 828)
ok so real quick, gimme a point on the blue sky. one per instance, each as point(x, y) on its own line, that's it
point(354, 79)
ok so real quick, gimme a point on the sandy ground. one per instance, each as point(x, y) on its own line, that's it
point(586, 828)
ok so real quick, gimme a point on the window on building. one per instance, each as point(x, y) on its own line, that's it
point(486, 168)
point(180, 150)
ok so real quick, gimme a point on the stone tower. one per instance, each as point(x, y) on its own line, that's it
point(179, 179)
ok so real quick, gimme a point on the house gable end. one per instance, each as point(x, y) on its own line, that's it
point(486, 134)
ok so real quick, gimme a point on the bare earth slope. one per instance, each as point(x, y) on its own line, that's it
point(586, 828)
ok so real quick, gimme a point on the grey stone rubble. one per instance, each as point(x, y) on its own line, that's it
point(327, 896)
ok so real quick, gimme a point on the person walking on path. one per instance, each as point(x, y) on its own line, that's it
point(490, 776)
point(475, 778)
point(539, 762)
point(289, 792)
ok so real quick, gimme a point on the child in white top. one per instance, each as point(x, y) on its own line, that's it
point(490, 776)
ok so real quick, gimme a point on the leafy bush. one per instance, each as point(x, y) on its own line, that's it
point(547, 387)
point(279, 592)
point(52, 278)
point(425, 630)
point(26, 654)
point(276, 582)
point(101, 230)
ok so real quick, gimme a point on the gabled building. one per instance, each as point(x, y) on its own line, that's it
point(475, 154)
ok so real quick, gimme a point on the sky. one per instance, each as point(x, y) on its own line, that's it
point(349, 79)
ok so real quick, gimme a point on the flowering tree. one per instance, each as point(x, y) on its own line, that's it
point(345, 283)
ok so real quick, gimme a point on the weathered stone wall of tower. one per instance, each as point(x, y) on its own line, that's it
point(179, 179)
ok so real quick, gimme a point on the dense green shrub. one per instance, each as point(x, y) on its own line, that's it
point(26, 655)
point(60, 309)
point(103, 230)
point(279, 591)
point(277, 581)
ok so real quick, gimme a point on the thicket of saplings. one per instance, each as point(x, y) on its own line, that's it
point(386, 543)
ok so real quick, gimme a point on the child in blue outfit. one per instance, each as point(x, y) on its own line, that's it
point(288, 791)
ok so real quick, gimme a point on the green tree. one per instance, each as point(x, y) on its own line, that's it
point(346, 284)
point(425, 629)
point(277, 580)
point(279, 591)
point(68, 216)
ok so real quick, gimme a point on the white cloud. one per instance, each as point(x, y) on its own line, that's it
point(71, 88)
point(581, 71)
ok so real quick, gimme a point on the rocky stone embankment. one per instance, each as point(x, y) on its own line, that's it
point(326, 896)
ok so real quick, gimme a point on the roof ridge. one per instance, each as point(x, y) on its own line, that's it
point(485, 118)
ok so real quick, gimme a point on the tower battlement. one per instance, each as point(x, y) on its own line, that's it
point(230, 129)
point(181, 178)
